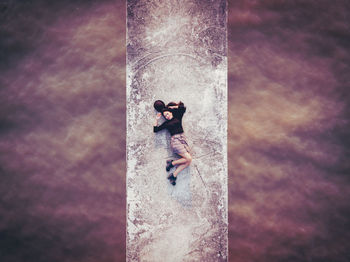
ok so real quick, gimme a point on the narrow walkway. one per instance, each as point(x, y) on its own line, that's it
point(177, 51)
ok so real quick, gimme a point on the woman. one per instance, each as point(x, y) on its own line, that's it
point(173, 114)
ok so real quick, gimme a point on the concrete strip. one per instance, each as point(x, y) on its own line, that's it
point(176, 50)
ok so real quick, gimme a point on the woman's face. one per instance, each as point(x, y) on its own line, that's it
point(168, 115)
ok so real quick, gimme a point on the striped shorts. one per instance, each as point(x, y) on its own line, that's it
point(179, 144)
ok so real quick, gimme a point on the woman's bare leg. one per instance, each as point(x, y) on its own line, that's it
point(179, 161)
point(188, 159)
point(180, 168)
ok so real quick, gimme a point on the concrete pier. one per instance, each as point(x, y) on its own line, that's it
point(176, 51)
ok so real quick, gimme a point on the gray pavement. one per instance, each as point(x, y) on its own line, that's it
point(177, 52)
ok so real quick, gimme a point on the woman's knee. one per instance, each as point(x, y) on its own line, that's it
point(189, 159)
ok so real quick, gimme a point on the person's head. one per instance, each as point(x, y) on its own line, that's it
point(167, 114)
point(159, 105)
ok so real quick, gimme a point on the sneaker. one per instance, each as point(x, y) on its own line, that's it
point(169, 165)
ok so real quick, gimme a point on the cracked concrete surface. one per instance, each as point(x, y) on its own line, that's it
point(177, 51)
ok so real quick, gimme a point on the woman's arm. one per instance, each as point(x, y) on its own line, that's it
point(178, 110)
point(157, 128)
point(181, 109)
point(158, 116)
point(180, 104)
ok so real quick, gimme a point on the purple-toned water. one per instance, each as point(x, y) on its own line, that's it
point(62, 137)
point(289, 131)
point(62, 131)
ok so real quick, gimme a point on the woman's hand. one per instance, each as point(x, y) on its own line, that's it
point(158, 116)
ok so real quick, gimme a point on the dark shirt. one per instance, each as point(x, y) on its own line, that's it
point(173, 125)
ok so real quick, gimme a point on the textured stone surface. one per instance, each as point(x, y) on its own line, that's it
point(177, 51)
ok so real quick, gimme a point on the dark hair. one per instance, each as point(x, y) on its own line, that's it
point(172, 104)
point(164, 110)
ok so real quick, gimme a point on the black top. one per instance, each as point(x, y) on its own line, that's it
point(173, 125)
